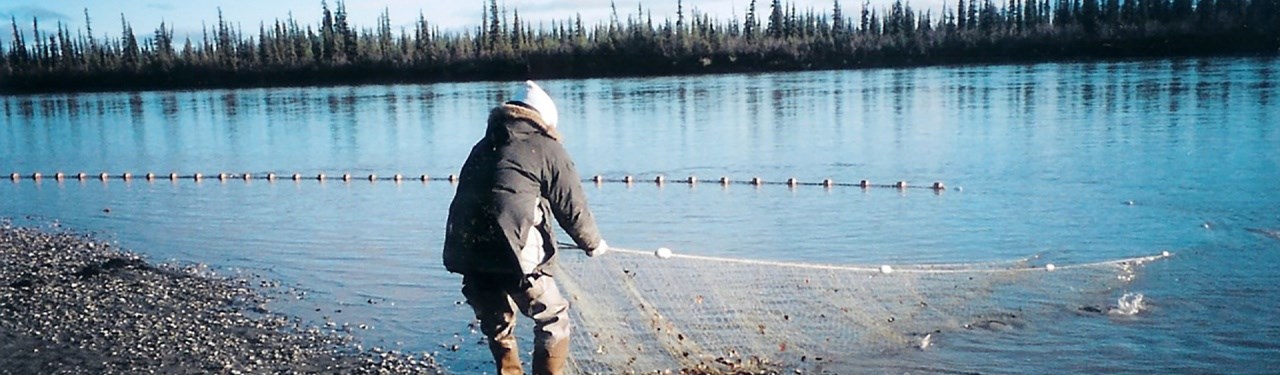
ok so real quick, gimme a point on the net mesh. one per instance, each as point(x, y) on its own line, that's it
point(636, 313)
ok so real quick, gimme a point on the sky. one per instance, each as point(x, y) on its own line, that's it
point(185, 16)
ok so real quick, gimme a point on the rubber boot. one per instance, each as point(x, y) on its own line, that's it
point(551, 360)
point(506, 357)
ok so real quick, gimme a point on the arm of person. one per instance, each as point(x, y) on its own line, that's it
point(562, 188)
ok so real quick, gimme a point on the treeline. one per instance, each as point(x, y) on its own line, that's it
point(773, 36)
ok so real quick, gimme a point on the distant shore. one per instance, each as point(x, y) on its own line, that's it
point(770, 38)
point(69, 304)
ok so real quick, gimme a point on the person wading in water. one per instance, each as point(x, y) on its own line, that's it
point(499, 237)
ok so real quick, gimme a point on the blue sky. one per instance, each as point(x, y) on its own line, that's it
point(186, 16)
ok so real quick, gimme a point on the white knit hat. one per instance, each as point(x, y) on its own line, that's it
point(532, 95)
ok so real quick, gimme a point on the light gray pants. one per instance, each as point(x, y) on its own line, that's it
point(496, 297)
point(495, 300)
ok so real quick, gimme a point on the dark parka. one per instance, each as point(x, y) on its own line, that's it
point(517, 176)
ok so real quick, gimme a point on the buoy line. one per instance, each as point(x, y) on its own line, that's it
point(658, 179)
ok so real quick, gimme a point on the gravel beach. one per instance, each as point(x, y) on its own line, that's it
point(69, 304)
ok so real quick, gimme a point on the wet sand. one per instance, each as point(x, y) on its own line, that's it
point(71, 305)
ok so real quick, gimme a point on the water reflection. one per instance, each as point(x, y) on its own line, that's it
point(770, 108)
point(26, 109)
point(169, 105)
point(1266, 84)
point(231, 103)
point(761, 117)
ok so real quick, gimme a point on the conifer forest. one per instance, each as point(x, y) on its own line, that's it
point(770, 36)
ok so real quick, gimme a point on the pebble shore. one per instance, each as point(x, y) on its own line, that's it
point(71, 305)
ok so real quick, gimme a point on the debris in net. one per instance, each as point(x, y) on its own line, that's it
point(1128, 304)
point(1273, 234)
point(926, 341)
point(1091, 309)
point(73, 306)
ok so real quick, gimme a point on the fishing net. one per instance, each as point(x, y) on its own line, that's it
point(636, 313)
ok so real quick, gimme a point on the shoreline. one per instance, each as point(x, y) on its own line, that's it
point(69, 304)
point(312, 77)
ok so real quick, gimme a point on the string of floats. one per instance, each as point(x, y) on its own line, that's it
point(598, 179)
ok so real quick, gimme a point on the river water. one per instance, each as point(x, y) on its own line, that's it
point(1075, 162)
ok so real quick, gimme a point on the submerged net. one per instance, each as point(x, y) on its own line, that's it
point(636, 313)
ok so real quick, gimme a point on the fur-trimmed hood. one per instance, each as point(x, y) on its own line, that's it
point(511, 121)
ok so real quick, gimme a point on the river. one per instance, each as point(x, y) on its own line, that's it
point(1075, 162)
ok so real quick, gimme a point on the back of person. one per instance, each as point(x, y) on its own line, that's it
point(518, 178)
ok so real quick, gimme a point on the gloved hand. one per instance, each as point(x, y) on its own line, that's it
point(600, 249)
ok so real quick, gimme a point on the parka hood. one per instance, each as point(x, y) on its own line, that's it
point(513, 121)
